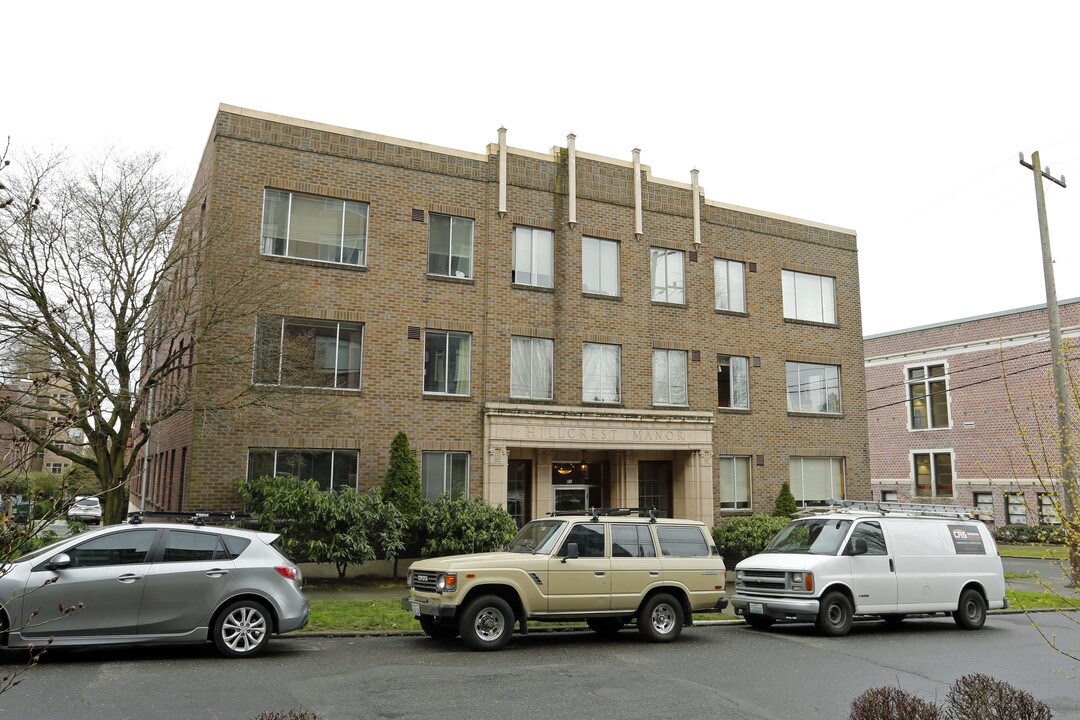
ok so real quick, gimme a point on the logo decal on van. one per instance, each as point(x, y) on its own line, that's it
point(967, 540)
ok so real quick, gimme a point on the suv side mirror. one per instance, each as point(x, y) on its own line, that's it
point(59, 562)
point(858, 546)
point(571, 552)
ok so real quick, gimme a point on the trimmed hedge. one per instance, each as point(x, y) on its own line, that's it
point(1019, 534)
point(740, 537)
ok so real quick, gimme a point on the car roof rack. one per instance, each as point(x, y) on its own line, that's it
point(886, 508)
point(195, 517)
point(597, 513)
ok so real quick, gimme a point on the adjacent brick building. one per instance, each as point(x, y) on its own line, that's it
point(950, 406)
point(551, 330)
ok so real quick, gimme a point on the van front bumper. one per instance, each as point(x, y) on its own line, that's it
point(778, 608)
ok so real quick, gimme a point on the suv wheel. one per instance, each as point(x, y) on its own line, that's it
point(438, 630)
point(605, 626)
point(486, 623)
point(972, 611)
point(660, 619)
point(834, 614)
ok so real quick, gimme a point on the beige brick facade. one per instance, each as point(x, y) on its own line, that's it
point(392, 295)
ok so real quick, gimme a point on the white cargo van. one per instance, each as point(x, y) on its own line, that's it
point(884, 559)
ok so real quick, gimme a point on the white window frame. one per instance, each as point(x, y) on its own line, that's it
point(445, 460)
point(282, 322)
point(733, 361)
point(529, 347)
point(925, 381)
point(1009, 505)
point(1048, 508)
point(606, 352)
point(668, 386)
point(266, 244)
point(733, 274)
point(933, 472)
point(534, 239)
point(809, 297)
point(606, 278)
point(446, 335)
point(667, 268)
point(454, 220)
point(734, 503)
point(334, 453)
point(985, 513)
point(798, 485)
point(806, 388)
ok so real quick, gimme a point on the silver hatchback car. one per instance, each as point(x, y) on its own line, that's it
point(153, 583)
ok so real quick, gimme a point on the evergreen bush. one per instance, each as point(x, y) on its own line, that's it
point(740, 537)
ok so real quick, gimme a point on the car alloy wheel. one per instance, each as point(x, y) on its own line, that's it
point(242, 629)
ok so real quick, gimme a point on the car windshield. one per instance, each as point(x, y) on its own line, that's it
point(813, 537)
point(539, 536)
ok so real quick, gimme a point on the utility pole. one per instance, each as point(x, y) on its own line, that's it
point(1065, 445)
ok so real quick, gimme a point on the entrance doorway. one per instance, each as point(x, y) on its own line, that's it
point(518, 483)
point(579, 485)
point(655, 486)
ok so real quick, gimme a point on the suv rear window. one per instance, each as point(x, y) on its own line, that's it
point(681, 542)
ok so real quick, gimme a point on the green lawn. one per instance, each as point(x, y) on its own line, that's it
point(1029, 600)
point(1048, 552)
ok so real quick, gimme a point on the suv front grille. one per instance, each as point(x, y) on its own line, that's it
point(424, 580)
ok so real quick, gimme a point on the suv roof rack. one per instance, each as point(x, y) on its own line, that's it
point(885, 508)
point(195, 517)
point(649, 512)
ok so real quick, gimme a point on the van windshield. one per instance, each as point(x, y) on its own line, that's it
point(811, 536)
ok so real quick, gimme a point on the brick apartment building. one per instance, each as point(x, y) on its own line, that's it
point(946, 403)
point(552, 330)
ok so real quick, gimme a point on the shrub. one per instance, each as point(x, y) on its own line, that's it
point(401, 484)
point(889, 703)
point(463, 525)
point(1019, 534)
point(981, 697)
point(785, 506)
point(740, 537)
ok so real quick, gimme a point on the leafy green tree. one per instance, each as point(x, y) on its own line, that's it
point(401, 484)
point(785, 506)
point(463, 525)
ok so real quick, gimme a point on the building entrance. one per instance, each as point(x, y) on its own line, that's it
point(579, 485)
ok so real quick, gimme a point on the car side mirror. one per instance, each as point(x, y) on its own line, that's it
point(571, 552)
point(59, 562)
point(858, 546)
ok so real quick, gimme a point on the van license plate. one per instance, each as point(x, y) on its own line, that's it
point(416, 609)
point(757, 608)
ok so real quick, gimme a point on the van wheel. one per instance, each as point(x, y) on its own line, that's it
point(834, 614)
point(759, 622)
point(660, 618)
point(486, 623)
point(435, 629)
point(972, 611)
point(605, 626)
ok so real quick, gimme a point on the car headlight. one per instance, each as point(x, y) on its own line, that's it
point(408, 578)
point(446, 582)
point(739, 575)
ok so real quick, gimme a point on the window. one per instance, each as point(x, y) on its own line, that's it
point(933, 474)
point(984, 504)
point(119, 548)
point(889, 496)
point(929, 397)
point(447, 360)
point(733, 382)
point(631, 541)
point(1048, 509)
point(1016, 509)
point(734, 482)
point(600, 373)
point(534, 257)
point(450, 246)
point(55, 468)
point(308, 353)
point(445, 473)
point(599, 266)
point(589, 538)
point(668, 285)
point(655, 486)
point(681, 541)
point(331, 468)
point(809, 297)
point(813, 388)
point(871, 533)
point(314, 228)
point(530, 368)
point(814, 480)
point(184, 546)
point(669, 377)
point(730, 285)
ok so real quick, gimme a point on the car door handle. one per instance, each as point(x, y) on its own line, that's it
point(654, 573)
point(599, 573)
point(891, 567)
point(216, 573)
point(129, 578)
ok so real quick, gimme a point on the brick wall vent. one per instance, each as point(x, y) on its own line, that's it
point(757, 362)
point(759, 460)
point(695, 355)
point(414, 333)
point(418, 215)
point(753, 267)
point(693, 256)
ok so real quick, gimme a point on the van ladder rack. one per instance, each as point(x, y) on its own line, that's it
point(196, 517)
point(926, 509)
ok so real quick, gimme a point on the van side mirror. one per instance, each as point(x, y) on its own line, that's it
point(571, 552)
point(858, 546)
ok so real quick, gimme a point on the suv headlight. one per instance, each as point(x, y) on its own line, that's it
point(446, 582)
point(408, 579)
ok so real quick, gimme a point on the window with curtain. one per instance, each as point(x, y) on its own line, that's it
point(332, 469)
point(814, 480)
point(530, 368)
point(669, 377)
point(445, 473)
point(733, 382)
point(734, 471)
point(447, 362)
point(450, 246)
point(933, 474)
point(809, 297)
point(599, 266)
point(301, 352)
point(813, 388)
point(534, 257)
point(730, 281)
point(668, 283)
point(928, 393)
point(1016, 509)
point(984, 504)
point(309, 227)
point(1048, 509)
point(600, 373)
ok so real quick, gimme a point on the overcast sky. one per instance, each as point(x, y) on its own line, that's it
point(901, 121)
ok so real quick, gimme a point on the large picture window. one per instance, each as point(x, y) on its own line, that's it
point(733, 382)
point(815, 480)
point(600, 373)
point(314, 228)
point(929, 397)
point(730, 280)
point(813, 388)
point(447, 362)
point(534, 257)
point(308, 353)
point(530, 368)
point(933, 474)
point(809, 297)
point(669, 377)
point(599, 266)
point(734, 473)
point(668, 283)
point(450, 246)
point(332, 469)
point(445, 473)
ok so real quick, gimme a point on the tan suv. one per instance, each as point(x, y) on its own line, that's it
point(608, 568)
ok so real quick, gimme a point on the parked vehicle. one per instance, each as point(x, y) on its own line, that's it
point(610, 568)
point(153, 583)
point(87, 509)
point(887, 559)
